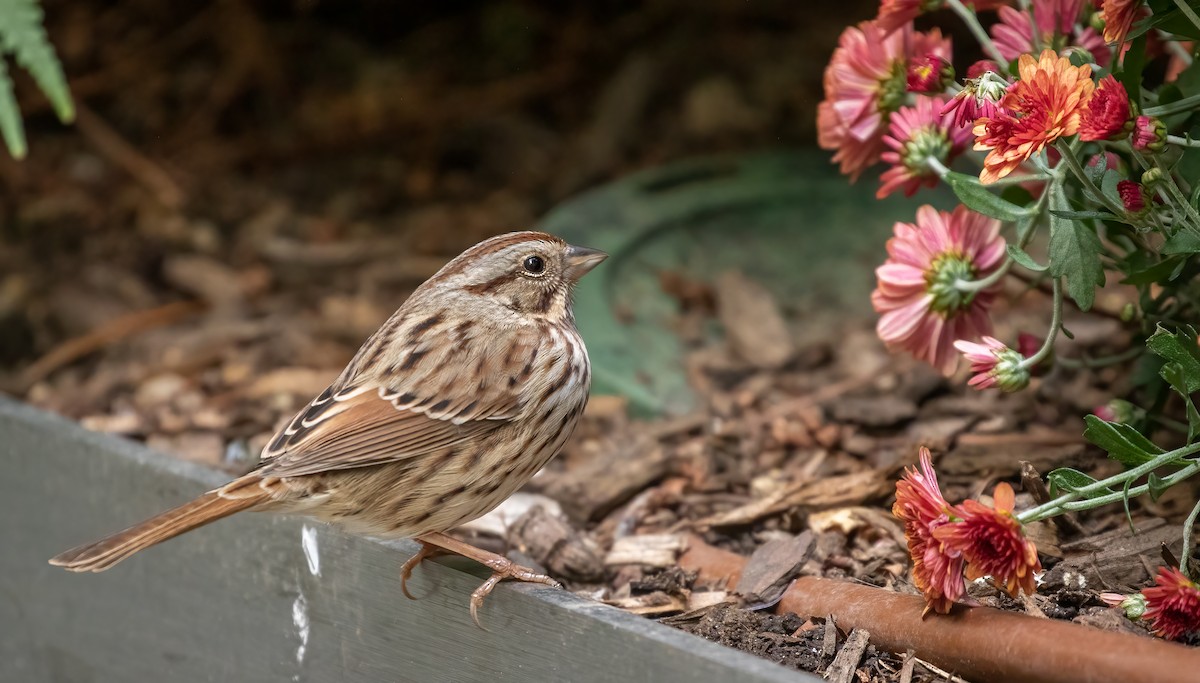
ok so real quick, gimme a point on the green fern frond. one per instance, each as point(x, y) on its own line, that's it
point(22, 36)
point(10, 116)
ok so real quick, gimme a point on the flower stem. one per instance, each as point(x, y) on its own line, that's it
point(1188, 12)
point(1176, 107)
point(984, 282)
point(1103, 361)
point(1182, 142)
point(985, 41)
point(1055, 324)
point(1186, 560)
point(1031, 178)
point(1177, 195)
point(1070, 501)
point(1072, 163)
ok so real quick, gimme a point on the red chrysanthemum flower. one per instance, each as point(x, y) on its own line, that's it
point(992, 543)
point(1057, 26)
point(922, 309)
point(1118, 16)
point(864, 83)
point(920, 505)
point(1172, 605)
point(1045, 105)
point(929, 74)
point(919, 138)
point(1106, 114)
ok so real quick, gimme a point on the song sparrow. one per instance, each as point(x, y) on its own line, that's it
point(463, 394)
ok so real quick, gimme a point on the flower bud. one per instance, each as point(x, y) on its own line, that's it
point(1133, 196)
point(1079, 56)
point(1119, 410)
point(1134, 605)
point(1152, 177)
point(981, 67)
point(1149, 133)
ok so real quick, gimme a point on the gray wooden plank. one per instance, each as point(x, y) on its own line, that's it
point(242, 600)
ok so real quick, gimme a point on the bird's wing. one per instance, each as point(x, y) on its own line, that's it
point(437, 394)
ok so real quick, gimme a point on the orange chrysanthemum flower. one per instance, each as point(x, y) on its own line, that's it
point(1119, 16)
point(992, 543)
point(937, 573)
point(1172, 605)
point(1043, 106)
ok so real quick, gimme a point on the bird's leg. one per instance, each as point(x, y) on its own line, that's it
point(502, 568)
point(427, 551)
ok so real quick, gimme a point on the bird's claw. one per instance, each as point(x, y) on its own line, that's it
point(504, 569)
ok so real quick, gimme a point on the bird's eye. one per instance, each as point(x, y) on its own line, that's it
point(534, 264)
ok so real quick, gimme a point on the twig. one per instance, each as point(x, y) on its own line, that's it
point(109, 142)
point(108, 333)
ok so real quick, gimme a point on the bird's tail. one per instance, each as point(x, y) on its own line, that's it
point(104, 553)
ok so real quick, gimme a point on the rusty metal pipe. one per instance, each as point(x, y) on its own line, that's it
point(980, 643)
point(985, 644)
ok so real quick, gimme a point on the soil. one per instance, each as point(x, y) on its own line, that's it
point(250, 190)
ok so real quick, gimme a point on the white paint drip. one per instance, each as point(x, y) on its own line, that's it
point(300, 620)
point(308, 541)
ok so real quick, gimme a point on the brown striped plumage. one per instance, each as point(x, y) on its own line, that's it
point(452, 405)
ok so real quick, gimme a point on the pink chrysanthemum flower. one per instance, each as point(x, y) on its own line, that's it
point(1172, 605)
point(864, 83)
point(979, 98)
point(915, 136)
point(920, 505)
point(1058, 28)
point(994, 365)
point(1106, 114)
point(992, 542)
point(922, 309)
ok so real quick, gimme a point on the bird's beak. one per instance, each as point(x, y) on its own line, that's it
point(580, 260)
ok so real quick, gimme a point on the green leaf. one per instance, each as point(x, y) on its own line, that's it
point(1095, 171)
point(1132, 65)
point(978, 198)
point(1156, 486)
point(10, 116)
point(1084, 215)
point(1067, 479)
point(22, 35)
point(1179, 347)
point(1182, 242)
point(1122, 442)
point(1158, 272)
point(1174, 375)
point(1023, 259)
point(1074, 253)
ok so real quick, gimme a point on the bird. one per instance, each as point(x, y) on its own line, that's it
point(464, 393)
